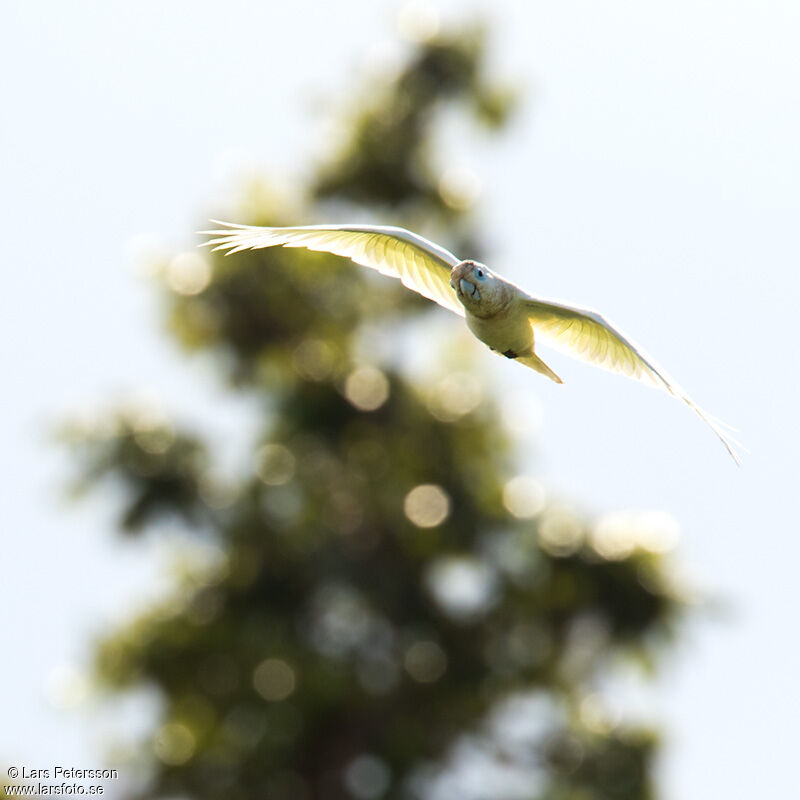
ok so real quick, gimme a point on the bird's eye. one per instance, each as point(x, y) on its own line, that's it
point(479, 273)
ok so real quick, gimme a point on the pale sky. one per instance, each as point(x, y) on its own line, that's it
point(652, 174)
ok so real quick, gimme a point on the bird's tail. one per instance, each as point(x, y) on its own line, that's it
point(534, 362)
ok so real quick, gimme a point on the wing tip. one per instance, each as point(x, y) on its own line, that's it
point(723, 432)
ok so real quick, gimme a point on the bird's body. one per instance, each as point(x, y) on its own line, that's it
point(498, 320)
point(498, 313)
point(506, 332)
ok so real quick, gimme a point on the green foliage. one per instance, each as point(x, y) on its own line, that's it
point(375, 606)
point(387, 160)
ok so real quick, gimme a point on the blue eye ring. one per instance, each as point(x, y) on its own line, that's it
point(479, 274)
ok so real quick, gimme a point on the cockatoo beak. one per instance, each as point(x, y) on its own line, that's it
point(468, 288)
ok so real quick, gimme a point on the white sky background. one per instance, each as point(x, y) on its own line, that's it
point(653, 174)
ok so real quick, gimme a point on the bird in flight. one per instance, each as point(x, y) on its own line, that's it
point(500, 314)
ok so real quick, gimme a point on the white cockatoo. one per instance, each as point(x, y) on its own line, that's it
point(500, 314)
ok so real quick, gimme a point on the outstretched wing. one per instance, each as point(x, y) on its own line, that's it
point(586, 335)
point(421, 265)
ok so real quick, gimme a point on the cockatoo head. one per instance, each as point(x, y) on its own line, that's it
point(478, 289)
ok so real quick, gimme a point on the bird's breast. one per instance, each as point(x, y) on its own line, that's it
point(503, 331)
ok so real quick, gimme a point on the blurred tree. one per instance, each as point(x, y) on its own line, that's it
point(393, 613)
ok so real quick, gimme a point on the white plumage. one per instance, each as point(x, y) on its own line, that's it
point(499, 313)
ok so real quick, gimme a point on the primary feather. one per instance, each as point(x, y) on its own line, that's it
point(587, 335)
point(422, 266)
